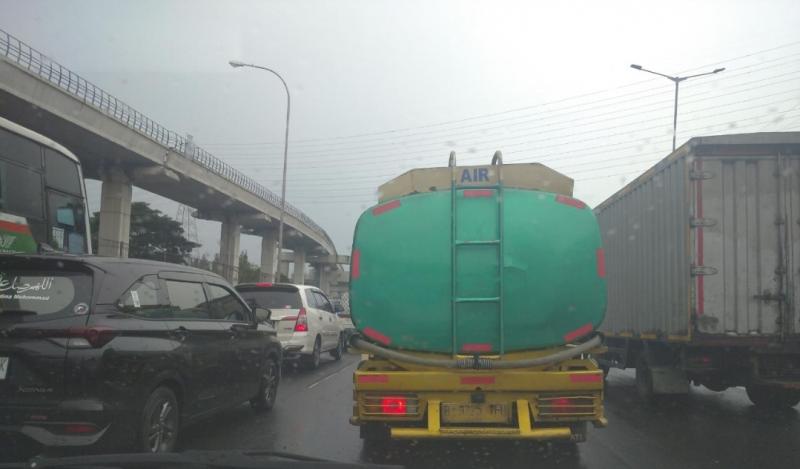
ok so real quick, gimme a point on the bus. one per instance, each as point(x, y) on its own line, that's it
point(42, 195)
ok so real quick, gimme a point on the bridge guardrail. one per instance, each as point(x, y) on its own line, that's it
point(28, 58)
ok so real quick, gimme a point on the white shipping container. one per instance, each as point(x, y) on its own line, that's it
point(705, 245)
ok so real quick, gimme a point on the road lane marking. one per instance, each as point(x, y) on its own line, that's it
point(316, 383)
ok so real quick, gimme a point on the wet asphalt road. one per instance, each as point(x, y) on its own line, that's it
point(714, 430)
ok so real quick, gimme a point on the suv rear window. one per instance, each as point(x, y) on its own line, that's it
point(273, 298)
point(45, 292)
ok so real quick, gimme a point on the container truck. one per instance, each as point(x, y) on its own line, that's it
point(703, 270)
point(476, 292)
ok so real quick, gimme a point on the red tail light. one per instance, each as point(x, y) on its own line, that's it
point(86, 337)
point(79, 428)
point(302, 321)
point(562, 405)
point(394, 405)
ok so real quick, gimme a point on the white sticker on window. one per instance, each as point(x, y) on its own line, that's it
point(135, 298)
point(58, 237)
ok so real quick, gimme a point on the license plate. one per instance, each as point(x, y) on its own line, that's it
point(3, 367)
point(476, 413)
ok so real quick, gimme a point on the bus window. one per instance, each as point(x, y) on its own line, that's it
point(20, 191)
point(67, 223)
point(61, 173)
point(20, 149)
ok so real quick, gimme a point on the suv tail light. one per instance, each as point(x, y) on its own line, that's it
point(88, 337)
point(302, 321)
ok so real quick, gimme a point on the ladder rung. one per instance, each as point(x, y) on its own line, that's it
point(490, 299)
point(478, 242)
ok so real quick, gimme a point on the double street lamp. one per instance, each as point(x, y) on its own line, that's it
point(677, 81)
point(277, 255)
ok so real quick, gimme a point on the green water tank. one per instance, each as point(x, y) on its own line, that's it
point(477, 270)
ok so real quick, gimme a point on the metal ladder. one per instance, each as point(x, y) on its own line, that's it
point(461, 244)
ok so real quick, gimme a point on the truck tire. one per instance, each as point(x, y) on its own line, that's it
point(772, 397)
point(644, 381)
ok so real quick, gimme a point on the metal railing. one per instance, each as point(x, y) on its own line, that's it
point(28, 58)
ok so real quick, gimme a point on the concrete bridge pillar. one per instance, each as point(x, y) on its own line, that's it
point(299, 266)
point(269, 249)
point(229, 248)
point(324, 276)
point(283, 270)
point(115, 214)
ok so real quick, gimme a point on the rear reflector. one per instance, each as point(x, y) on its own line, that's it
point(84, 337)
point(376, 336)
point(381, 209)
point(478, 193)
point(81, 428)
point(394, 405)
point(592, 378)
point(562, 405)
point(563, 199)
point(601, 262)
point(373, 378)
point(355, 264)
point(477, 380)
point(579, 332)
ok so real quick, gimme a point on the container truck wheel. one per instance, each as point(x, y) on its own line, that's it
point(644, 381)
point(312, 361)
point(772, 397)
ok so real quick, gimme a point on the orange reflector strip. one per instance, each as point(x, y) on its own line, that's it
point(355, 264)
point(601, 263)
point(593, 378)
point(476, 347)
point(563, 199)
point(373, 378)
point(380, 209)
point(477, 380)
point(376, 336)
point(579, 332)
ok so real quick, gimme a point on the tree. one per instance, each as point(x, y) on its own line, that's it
point(248, 272)
point(153, 235)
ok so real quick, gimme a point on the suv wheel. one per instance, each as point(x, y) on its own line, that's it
point(160, 422)
point(312, 361)
point(339, 350)
point(264, 401)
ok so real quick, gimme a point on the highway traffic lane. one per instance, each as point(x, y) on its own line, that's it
point(707, 430)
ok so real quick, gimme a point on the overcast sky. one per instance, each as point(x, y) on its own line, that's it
point(381, 87)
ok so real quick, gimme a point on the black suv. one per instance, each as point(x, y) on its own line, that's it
point(108, 352)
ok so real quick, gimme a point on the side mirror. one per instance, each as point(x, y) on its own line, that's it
point(263, 314)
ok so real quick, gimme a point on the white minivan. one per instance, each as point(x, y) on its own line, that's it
point(303, 316)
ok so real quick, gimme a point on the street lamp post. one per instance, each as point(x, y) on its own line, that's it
point(677, 81)
point(276, 257)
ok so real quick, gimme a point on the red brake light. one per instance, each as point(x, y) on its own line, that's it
point(96, 336)
point(302, 321)
point(562, 405)
point(264, 284)
point(394, 405)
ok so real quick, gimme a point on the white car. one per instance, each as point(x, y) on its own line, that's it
point(303, 316)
